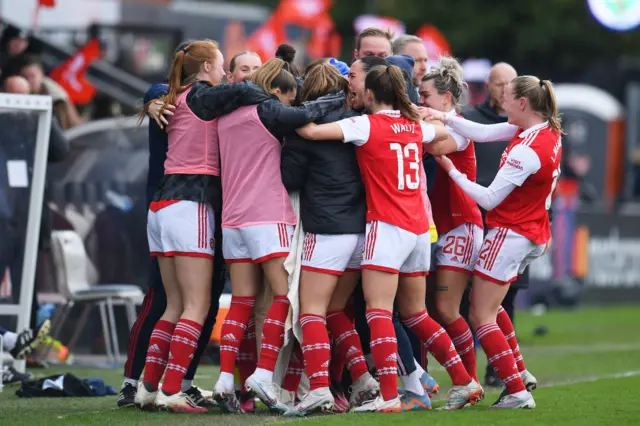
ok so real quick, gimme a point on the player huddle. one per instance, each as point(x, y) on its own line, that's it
point(351, 148)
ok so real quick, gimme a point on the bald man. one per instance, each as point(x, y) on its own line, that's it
point(16, 85)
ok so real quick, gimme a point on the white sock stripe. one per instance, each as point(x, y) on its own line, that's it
point(155, 360)
point(434, 336)
point(177, 367)
point(355, 360)
point(378, 314)
point(412, 322)
point(345, 335)
point(316, 347)
point(453, 361)
point(309, 319)
point(510, 335)
point(466, 350)
point(229, 349)
point(187, 327)
point(517, 349)
point(387, 370)
point(185, 341)
point(189, 334)
point(274, 322)
point(161, 334)
point(382, 340)
point(511, 378)
point(249, 336)
point(462, 338)
point(519, 358)
point(319, 374)
point(500, 309)
point(486, 329)
point(242, 302)
point(270, 347)
point(498, 356)
point(235, 324)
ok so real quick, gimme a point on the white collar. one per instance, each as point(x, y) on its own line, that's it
point(389, 112)
point(532, 129)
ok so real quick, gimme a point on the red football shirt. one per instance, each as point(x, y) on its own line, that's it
point(452, 207)
point(389, 154)
point(532, 162)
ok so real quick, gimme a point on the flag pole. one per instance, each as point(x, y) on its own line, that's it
point(36, 13)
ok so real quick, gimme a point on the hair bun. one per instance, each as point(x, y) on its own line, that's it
point(286, 52)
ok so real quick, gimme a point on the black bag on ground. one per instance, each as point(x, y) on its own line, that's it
point(59, 385)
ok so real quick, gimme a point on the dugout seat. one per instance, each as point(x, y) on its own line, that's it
point(72, 264)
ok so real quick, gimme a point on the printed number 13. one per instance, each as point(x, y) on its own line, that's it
point(406, 179)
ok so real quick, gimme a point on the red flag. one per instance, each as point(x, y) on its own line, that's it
point(71, 73)
point(47, 3)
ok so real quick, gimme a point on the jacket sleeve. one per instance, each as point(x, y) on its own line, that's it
point(210, 102)
point(282, 120)
point(294, 162)
point(58, 143)
point(156, 91)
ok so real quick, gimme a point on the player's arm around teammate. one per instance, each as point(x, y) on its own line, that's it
point(396, 254)
point(181, 229)
point(517, 202)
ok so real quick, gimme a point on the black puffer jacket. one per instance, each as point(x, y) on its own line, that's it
point(209, 102)
point(332, 197)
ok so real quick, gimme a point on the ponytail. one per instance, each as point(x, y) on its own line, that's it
point(273, 75)
point(386, 82)
point(541, 96)
point(403, 104)
point(175, 80)
point(550, 105)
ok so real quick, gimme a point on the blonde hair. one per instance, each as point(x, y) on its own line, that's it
point(388, 87)
point(323, 78)
point(273, 75)
point(447, 77)
point(541, 97)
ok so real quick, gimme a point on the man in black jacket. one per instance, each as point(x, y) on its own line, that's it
point(488, 161)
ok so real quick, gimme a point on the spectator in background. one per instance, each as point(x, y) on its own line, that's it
point(413, 46)
point(30, 67)
point(488, 161)
point(14, 42)
point(373, 42)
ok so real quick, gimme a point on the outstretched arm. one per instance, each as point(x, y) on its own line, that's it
point(322, 132)
point(521, 163)
point(475, 131)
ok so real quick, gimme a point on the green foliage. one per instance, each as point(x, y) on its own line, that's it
point(551, 38)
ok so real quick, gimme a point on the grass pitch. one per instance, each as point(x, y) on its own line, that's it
point(588, 368)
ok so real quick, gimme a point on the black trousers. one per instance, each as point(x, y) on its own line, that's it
point(155, 302)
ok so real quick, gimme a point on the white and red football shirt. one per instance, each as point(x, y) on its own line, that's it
point(532, 162)
point(452, 207)
point(389, 153)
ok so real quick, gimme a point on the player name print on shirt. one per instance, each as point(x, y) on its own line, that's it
point(400, 128)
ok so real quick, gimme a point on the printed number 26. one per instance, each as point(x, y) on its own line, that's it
point(406, 179)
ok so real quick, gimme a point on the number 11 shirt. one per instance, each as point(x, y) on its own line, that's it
point(389, 153)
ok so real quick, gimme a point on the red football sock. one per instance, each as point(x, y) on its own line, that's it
point(506, 326)
point(500, 356)
point(439, 343)
point(248, 354)
point(462, 339)
point(183, 345)
point(347, 344)
point(384, 348)
point(273, 333)
point(316, 350)
point(294, 371)
point(158, 352)
point(336, 363)
point(233, 331)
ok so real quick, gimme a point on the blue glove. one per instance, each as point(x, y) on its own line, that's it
point(340, 66)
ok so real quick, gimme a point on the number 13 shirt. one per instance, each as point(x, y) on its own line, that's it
point(531, 161)
point(389, 153)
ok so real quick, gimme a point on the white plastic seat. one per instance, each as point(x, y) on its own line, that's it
point(72, 263)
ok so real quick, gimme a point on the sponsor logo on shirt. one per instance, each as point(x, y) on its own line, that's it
point(515, 163)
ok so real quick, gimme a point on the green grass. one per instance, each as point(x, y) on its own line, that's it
point(579, 363)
